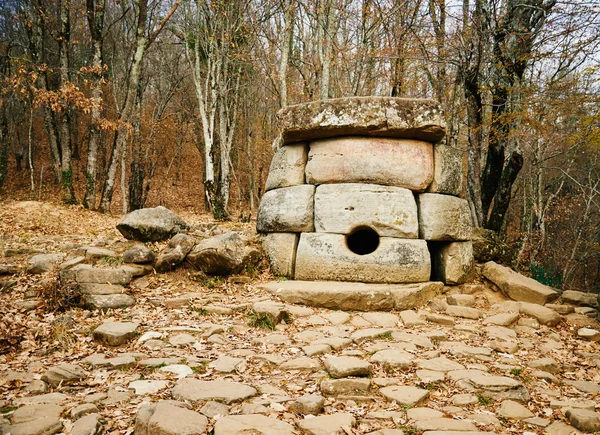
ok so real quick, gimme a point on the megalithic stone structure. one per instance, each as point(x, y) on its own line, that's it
point(365, 189)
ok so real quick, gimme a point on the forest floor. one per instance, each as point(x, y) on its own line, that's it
point(464, 371)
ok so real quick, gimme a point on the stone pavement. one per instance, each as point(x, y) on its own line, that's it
point(463, 364)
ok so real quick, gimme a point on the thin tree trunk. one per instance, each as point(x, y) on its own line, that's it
point(288, 35)
point(66, 167)
point(328, 37)
point(95, 16)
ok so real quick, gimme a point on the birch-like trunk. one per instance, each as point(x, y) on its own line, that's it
point(288, 35)
point(142, 43)
point(95, 16)
point(328, 27)
point(66, 166)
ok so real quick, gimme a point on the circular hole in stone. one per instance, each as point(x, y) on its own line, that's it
point(363, 241)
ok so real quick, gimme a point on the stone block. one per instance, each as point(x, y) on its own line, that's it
point(518, 287)
point(365, 116)
point(287, 167)
point(355, 295)
point(447, 170)
point(324, 256)
point(280, 249)
point(443, 217)
point(289, 209)
point(451, 262)
point(90, 274)
point(390, 211)
point(390, 162)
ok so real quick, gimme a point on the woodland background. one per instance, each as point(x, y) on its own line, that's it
point(120, 104)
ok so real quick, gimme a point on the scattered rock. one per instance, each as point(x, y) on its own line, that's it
point(64, 374)
point(308, 404)
point(88, 425)
point(544, 315)
point(220, 391)
point(589, 334)
point(587, 421)
point(115, 333)
point(326, 424)
point(404, 395)
point(580, 298)
point(252, 424)
point(223, 254)
point(42, 263)
point(169, 419)
point(174, 253)
point(344, 366)
point(144, 387)
point(517, 286)
point(345, 387)
point(138, 254)
point(513, 410)
point(151, 225)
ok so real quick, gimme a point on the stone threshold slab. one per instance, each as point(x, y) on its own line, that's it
point(355, 295)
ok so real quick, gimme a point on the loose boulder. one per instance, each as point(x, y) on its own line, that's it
point(138, 254)
point(151, 224)
point(517, 286)
point(175, 252)
point(223, 254)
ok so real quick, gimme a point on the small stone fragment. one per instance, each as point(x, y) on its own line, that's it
point(344, 366)
point(64, 374)
point(404, 395)
point(309, 404)
point(115, 333)
point(87, 425)
point(513, 410)
point(326, 424)
point(584, 420)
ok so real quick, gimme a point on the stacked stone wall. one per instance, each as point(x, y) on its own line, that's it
point(366, 189)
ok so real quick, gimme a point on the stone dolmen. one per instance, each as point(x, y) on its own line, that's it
point(365, 190)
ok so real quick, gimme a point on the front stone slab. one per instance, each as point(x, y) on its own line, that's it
point(452, 262)
point(447, 170)
point(518, 287)
point(365, 116)
point(390, 162)
point(287, 167)
point(355, 295)
point(286, 210)
point(324, 256)
point(443, 217)
point(390, 211)
point(280, 249)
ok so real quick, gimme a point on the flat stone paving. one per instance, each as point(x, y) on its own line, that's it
point(358, 372)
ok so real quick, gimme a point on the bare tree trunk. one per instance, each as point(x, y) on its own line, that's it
point(288, 35)
point(95, 16)
point(328, 27)
point(142, 43)
point(4, 146)
point(66, 167)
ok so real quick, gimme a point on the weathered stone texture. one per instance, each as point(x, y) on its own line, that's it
point(289, 209)
point(151, 224)
point(390, 211)
point(443, 217)
point(324, 256)
point(365, 116)
point(390, 162)
point(280, 249)
point(447, 170)
point(355, 295)
point(452, 262)
point(287, 167)
point(517, 286)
